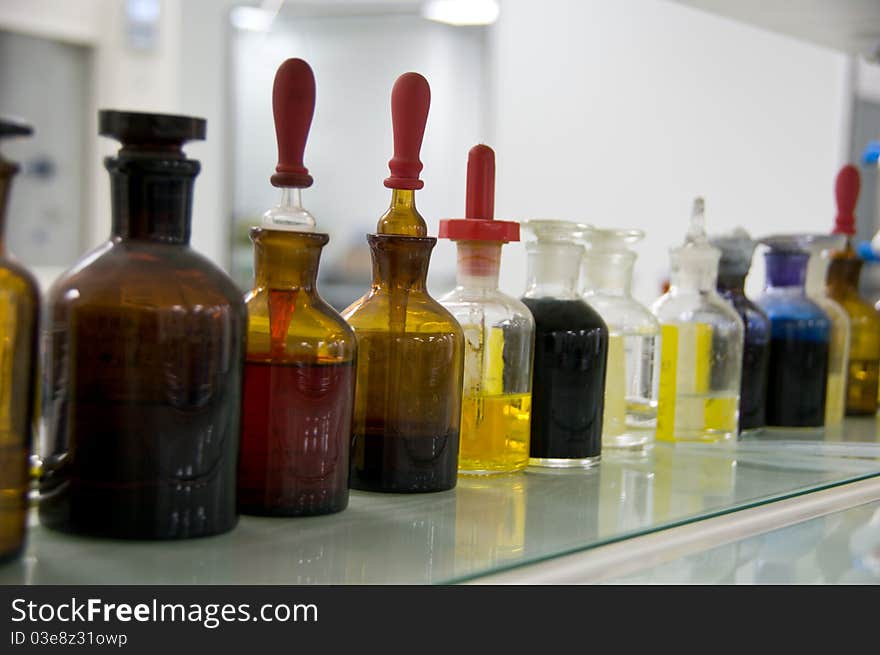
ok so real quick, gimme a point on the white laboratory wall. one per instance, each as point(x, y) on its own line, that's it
point(356, 60)
point(618, 113)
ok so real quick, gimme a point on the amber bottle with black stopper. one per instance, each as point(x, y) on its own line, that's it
point(19, 322)
point(146, 349)
point(405, 434)
point(863, 368)
point(571, 351)
point(300, 364)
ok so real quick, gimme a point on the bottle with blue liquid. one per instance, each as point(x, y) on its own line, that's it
point(800, 337)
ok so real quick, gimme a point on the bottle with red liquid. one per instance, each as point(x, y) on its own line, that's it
point(300, 365)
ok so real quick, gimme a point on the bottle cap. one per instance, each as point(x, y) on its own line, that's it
point(14, 127)
point(479, 223)
point(145, 134)
point(548, 230)
point(293, 104)
point(613, 240)
point(410, 99)
point(736, 248)
point(800, 243)
point(846, 191)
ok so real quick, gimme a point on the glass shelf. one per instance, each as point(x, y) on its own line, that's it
point(483, 526)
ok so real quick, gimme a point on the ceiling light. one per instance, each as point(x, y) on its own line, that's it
point(461, 12)
point(255, 19)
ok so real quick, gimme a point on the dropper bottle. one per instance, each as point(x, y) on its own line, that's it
point(821, 249)
point(498, 330)
point(300, 364)
point(843, 287)
point(405, 434)
point(737, 249)
point(701, 345)
point(633, 345)
point(571, 350)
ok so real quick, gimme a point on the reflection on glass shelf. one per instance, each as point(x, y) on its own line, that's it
point(840, 548)
point(483, 526)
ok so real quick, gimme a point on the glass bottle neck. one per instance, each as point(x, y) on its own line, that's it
point(786, 270)
point(479, 263)
point(286, 259)
point(609, 274)
point(402, 217)
point(7, 171)
point(817, 274)
point(400, 262)
point(152, 198)
point(553, 269)
point(695, 277)
point(844, 271)
point(734, 283)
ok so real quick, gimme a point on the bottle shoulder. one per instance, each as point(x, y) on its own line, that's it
point(16, 279)
point(623, 314)
point(702, 307)
point(419, 313)
point(486, 306)
point(556, 314)
point(791, 307)
point(146, 273)
point(311, 317)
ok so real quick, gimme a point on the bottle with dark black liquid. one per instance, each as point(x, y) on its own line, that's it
point(146, 348)
point(19, 323)
point(299, 373)
point(571, 350)
point(737, 249)
point(405, 431)
point(800, 337)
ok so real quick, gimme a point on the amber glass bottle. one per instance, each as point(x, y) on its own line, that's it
point(145, 359)
point(843, 286)
point(299, 372)
point(19, 322)
point(405, 435)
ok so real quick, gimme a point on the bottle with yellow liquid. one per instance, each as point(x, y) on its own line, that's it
point(843, 286)
point(701, 345)
point(19, 321)
point(838, 350)
point(631, 380)
point(499, 333)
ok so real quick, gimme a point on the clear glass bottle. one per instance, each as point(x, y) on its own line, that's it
point(571, 351)
point(838, 350)
point(405, 432)
point(299, 371)
point(633, 370)
point(499, 333)
point(19, 325)
point(737, 250)
point(701, 345)
point(843, 286)
point(146, 350)
point(800, 337)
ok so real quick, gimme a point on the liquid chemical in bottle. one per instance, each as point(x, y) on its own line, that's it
point(405, 432)
point(299, 371)
point(631, 381)
point(571, 351)
point(146, 351)
point(737, 250)
point(498, 333)
point(702, 345)
point(838, 349)
point(800, 337)
point(843, 287)
point(19, 324)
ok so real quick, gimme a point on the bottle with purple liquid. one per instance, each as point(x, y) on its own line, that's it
point(800, 337)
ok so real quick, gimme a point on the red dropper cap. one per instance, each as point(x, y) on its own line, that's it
point(846, 190)
point(480, 224)
point(410, 99)
point(293, 103)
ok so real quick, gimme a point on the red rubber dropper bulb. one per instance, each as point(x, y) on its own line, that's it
point(293, 103)
point(480, 223)
point(846, 191)
point(410, 100)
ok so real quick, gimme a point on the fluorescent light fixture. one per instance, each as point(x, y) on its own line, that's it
point(461, 12)
point(255, 19)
